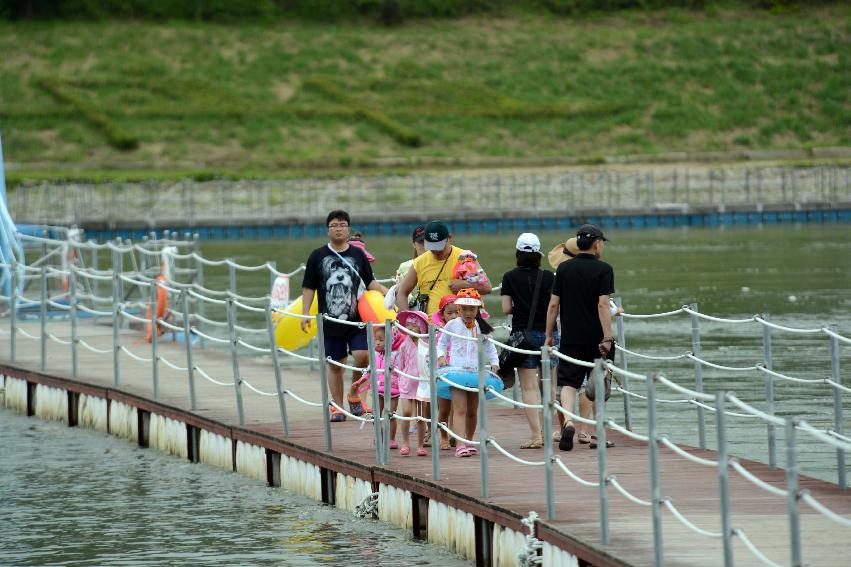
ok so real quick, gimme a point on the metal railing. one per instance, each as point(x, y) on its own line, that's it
point(238, 341)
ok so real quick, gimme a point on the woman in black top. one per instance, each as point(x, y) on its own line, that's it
point(518, 290)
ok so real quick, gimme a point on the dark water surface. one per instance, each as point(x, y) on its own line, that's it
point(77, 497)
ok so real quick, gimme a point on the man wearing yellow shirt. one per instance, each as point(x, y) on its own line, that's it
point(433, 270)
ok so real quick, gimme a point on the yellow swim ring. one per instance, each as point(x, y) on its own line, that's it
point(288, 333)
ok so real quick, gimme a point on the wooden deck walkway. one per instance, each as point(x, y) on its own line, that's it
point(515, 488)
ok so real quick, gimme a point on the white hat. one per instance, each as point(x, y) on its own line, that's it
point(528, 242)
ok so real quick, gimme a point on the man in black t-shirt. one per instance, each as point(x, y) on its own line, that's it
point(580, 299)
point(340, 274)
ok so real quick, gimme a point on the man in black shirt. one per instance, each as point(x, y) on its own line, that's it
point(580, 298)
point(340, 273)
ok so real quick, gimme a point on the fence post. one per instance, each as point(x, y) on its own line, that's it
point(116, 322)
point(515, 389)
point(388, 382)
point(724, 480)
point(373, 386)
point(187, 339)
point(237, 380)
point(597, 375)
point(837, 406)
point(276, 366)
point(698, 374)
point(13, 313)
point(546, 402)
point(95, 282)
point(323, 379)
point(155, 331)
point(72, 291)
point(483, 417)
point(432, 384)
point(43, 317)
point(655, 487)
point(792, 493)
point(627, 401)
point(232, 282)
point(199, 280)
point(769, 392)
point(273, 268)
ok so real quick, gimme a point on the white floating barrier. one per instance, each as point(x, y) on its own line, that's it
point(168, 436)
point(51, 403)
point(215, 449)
point(452, 528)
point(92, 412)
point(394, 506)
point(508, 545)
point(124, 421)
point(350, 491)
point(16, 395)
point(557, 557)
point(301, 477)
point(251, 460)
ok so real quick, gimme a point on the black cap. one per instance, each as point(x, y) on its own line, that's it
point(590, 232)
point(436, 235)
point(419, 234)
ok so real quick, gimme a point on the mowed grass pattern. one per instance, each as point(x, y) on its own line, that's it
point(271, 96)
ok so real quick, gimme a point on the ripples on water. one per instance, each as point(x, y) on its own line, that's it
point(77, 497)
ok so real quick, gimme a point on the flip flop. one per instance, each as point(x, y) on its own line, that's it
point(336, 415)
point(533, 444)
point(566, 441)
point(593, 444)
point(462, 451)
point(584, 438)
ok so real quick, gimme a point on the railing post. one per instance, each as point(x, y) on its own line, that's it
point(388, 381)
point(627, 400)
point(237, 380)
point(792, 493)
point(43, 317)
point(155, 331)
point(838, 418)
point(373, 383)
point(323, 379)
point(72, 291)
point(655, 486)
point(187, 339)
point(199, 280)
point(724, 480)
point(515, 389)
point(13, 313)
point(546, 402)
point(432, 385)
point(116, 322)
point(95, 282)
point(769, 392)
point(232, 281)
point(698, 374)
point(118, 266)
point(483, 417)
point(276, 366)
point(597, 375)
point(273, 267)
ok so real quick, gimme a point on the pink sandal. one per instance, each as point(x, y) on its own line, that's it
point(462, 451)
point(421, 452)
point(405, 451)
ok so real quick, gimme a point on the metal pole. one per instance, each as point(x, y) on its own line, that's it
point(837, 406)
point(232, 280)
point(199, 280)
point(388, 381)
point(792, 493)
point(237, 380)
point(43, 317)
point(724, 480)
point(597, 375)
point(698, 374)
point(273, 267)
point(116, 322)
point(373, 383)
point(72, 291)
point(546, 402)
point(655, 486)
point(627, 400)
point(515, 389)
point(432, 383)
point(769, 393)
point(95, 283)
point(155, 331)
point(187, 339)
point(323, 379)
point(279, 383)
point(483, 418)
point(13, 313)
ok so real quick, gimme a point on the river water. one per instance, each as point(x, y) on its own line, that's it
point(77, 497)
point(799, 275)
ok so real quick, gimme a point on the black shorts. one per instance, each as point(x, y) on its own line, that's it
point(339, 348)
point(573, 375)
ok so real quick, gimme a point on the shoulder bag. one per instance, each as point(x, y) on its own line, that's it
point(508, 359)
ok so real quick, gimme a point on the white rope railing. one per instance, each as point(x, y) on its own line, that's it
point(658, 400)
point(253, 348)
point(613, 480)
point(737, 466)
point(762, 368)
point(56, 339)
point(93, 348)
point(557, 460)
point(651, 315)
point(168, 363)
point(135, 356)
point(612, 424)
point(333, 362)
point(298, 356)
point(787, 329)
point(208, 337)
point(687, 523)
point(493, 442)
point(752, 410)
point(512, 401)
point(651, 356)
point(685, 454)
point(738, 532)
point(721, 366)
point(209, 378)
point(302, 400)
point(713, 409)
point(455, 436)
point(805, 496)
point(823, 436)
point(574, 416)
point(687, 309)
point(256, 390)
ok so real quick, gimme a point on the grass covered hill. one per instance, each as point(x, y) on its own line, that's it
point(270, 96)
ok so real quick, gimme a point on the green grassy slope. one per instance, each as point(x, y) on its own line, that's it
point(252, 97)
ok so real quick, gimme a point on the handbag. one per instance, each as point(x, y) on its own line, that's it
point(591, 386)
point(508, 359)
